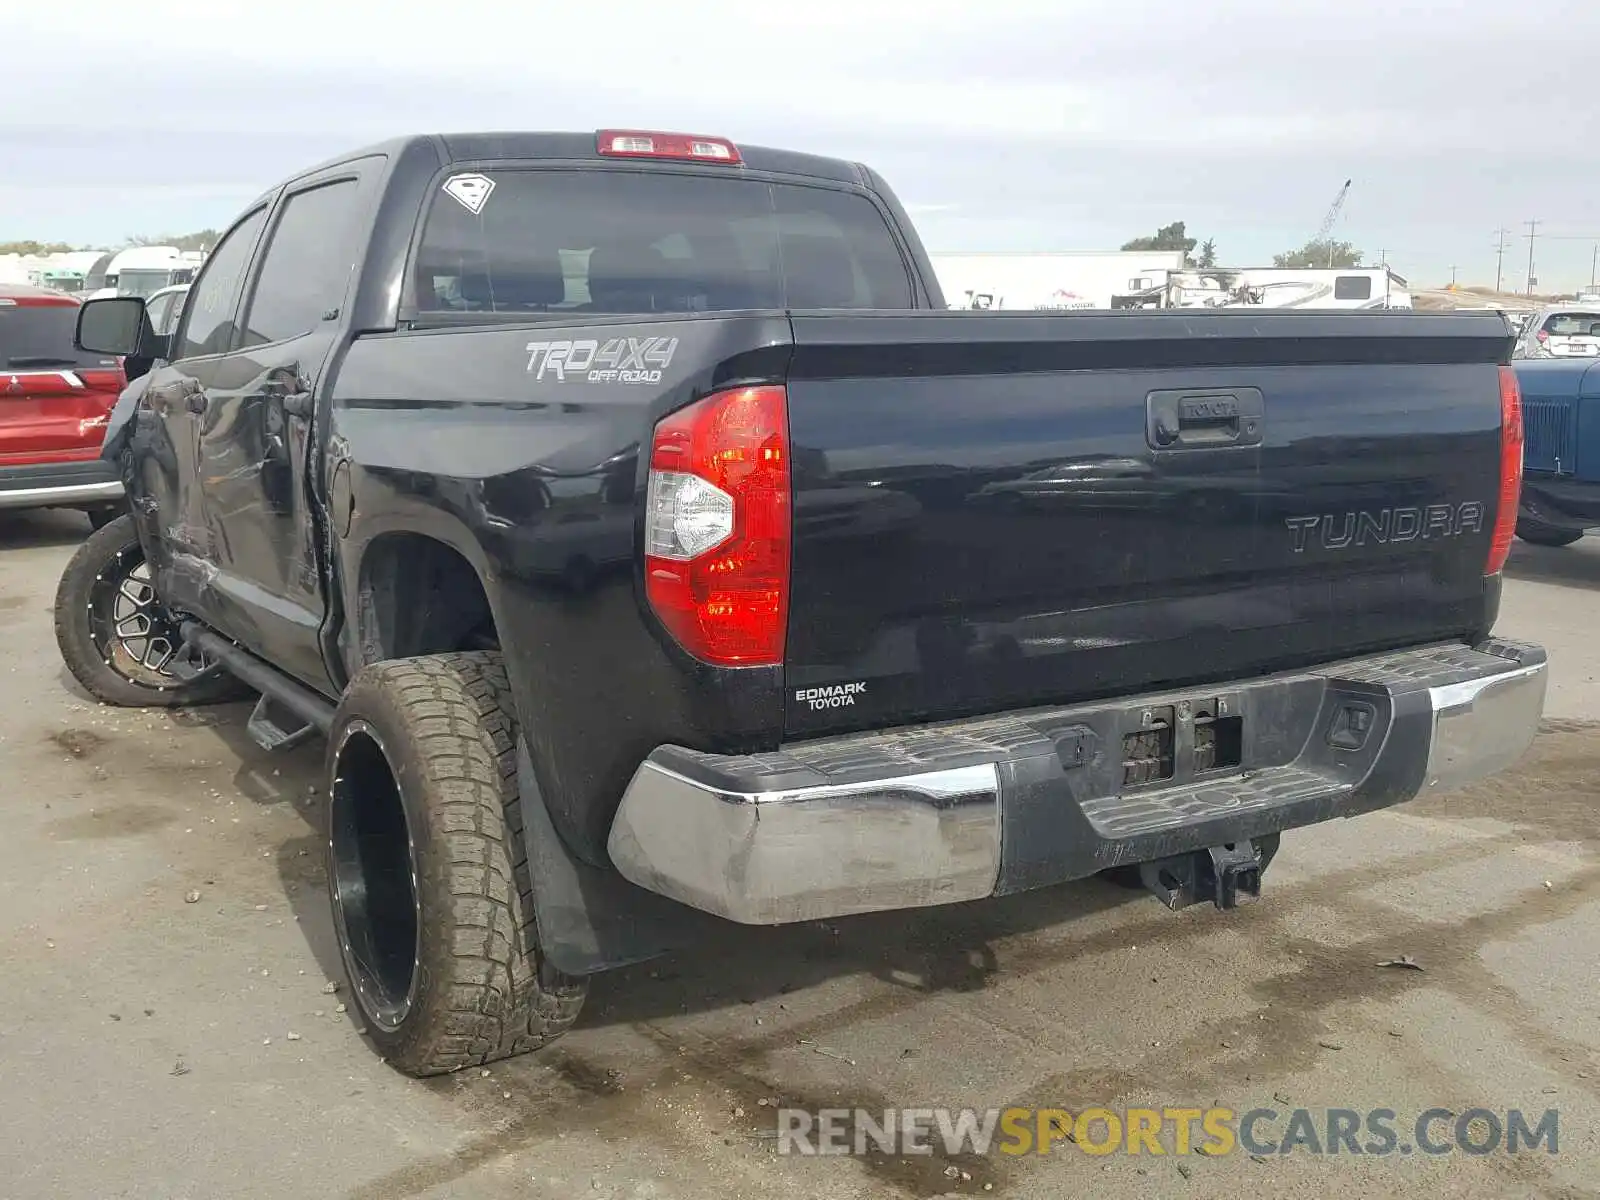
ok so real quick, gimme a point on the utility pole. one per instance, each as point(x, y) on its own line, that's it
point(1533, 232)
point(1500, 236)
point(1453, 270)
point(1594, 260)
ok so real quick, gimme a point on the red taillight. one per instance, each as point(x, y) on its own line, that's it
point(1511, 437)
point(717, 526)
point(638, 143)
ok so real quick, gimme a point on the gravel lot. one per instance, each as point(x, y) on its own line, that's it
point(154, 1047)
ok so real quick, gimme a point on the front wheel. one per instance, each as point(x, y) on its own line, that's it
point(432, 903)
point(116, 636)
point(1539, 534)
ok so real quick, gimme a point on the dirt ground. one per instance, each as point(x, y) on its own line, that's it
point(153, 1047)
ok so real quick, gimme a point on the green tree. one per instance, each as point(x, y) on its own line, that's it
point(1168, 237)
point(34, 247)
point(1319, 254)
point(1207, 258)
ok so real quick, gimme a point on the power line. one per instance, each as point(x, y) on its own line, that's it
point(1533, 232)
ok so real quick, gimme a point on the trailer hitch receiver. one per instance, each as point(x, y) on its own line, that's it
point(1219, 874)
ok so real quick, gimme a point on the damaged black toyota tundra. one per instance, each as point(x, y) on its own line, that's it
point(654, 551)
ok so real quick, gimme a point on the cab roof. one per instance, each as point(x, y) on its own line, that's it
point(513, 146)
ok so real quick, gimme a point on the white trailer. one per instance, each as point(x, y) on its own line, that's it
point(145, 270)
point(1058, 280)
point(1274, 287)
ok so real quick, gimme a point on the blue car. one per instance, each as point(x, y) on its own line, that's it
point(1561, 462)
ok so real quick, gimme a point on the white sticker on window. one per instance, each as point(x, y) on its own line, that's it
point(470, 191)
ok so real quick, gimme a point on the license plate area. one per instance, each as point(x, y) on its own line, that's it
point(1192, 738)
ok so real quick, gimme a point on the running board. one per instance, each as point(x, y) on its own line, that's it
point(288, 712)
point(273, 726)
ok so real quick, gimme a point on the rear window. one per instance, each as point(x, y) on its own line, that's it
point(1584, 324)
point(530, 241)
point(39, 336)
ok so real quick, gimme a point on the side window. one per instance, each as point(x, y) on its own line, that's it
point(307, 265)
point(838, 251)
point(1352, 287)
point(208, 327)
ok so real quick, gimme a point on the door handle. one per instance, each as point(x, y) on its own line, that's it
point(1204, 419)
point(295, 404)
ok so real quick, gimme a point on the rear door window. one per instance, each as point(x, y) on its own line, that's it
point(38, 337)
point(620, 242)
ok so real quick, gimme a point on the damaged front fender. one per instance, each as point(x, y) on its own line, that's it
point(120, 424)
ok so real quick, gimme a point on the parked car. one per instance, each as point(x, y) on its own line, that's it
point(54, 403)
point(1564, 332)
point(803, 677)
point(1561, 468)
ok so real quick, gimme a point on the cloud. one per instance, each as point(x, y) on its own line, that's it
point(1045, 123)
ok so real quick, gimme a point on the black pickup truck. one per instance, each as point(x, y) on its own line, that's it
point(655, 550)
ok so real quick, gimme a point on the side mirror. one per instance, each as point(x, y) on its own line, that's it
point(115, 325)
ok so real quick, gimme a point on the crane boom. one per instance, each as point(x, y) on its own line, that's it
point(1333, 215)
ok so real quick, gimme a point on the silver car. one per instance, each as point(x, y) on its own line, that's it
point(1562, 332)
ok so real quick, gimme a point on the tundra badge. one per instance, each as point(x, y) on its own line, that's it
point(1335, 531)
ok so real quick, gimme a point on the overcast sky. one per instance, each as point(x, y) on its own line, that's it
point(1002, 124)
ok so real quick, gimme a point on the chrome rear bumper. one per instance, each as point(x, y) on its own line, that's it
point(961, 811)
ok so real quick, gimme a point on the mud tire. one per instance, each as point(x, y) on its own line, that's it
point(423, 780)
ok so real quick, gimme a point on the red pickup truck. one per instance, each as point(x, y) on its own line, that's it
point(54, 404)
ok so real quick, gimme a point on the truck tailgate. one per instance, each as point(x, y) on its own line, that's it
point(1001, 510)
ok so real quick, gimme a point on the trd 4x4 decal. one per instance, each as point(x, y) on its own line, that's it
point(617, 360)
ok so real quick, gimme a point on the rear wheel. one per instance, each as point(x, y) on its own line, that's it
point(432, 902)
point(1539, 534)
point(116, 636)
